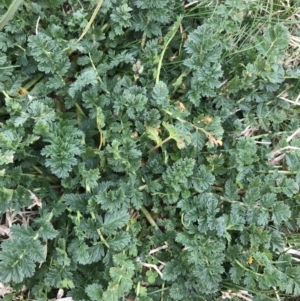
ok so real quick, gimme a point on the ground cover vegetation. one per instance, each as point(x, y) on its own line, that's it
point(150, 150)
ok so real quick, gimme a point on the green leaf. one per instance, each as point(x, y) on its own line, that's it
point(119, 241)
point(236, 273)
point(65, 145)
point(172, 270)
point(293, 161)
point(178, 291)
point(152, 118)
point(231, 191)
point(46, 229)
point(121, 275)
point(277, 241)
point(268, 199)
point(252, 196)
point(49, 54)
point(203, 179)
point(198, 140)
point(79, 251)
point(90, 177)
point(94, 291)
point(246, 149)
point(17, 259)
point(96, 252)
point(35, 251)
point(280, 212)
point(113, 221)
point(176, 134)
point(6, 197)
point(121, 18)
point(178, 174)
point(289, 186)
point(202, 47)
point(86, 77)
point(153, 135)
point(124, 155)
point(263, 218)
point(160, 95)
point(275, 39)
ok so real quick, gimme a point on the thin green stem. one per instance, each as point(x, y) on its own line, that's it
point(144, 37)
point(10, 13)
point(98, 76)
point(169, 38)
point(248, 270)
point(33, 81)
point(9, 67)
point(270, 11)
point(149, 218)
point(162, 292)
point(184, 121)
point(79, 112)
point(160, 144)
point(6, 94)
point(94, 67)
point(99, 232)
point(158, 291)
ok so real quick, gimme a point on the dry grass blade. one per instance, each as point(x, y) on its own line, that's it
point(242, 295)
point(292, 251)
point(86, 29)
point(295, 41)
point(290, 101)
point(62, 299)
point(35, 200)
point(4, 290)
point(4, 231)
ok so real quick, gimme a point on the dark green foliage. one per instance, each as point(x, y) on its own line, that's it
point(153, 159)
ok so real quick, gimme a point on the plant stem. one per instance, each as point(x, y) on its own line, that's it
point(160, 144)
point(286, 172)
point(33, 81)
point(90, 21)
point(194, 126)
point(169, 38)
point(99, 232)
point(94, 67)
point(149, 218)
point(248, 270)
point(10, 13)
